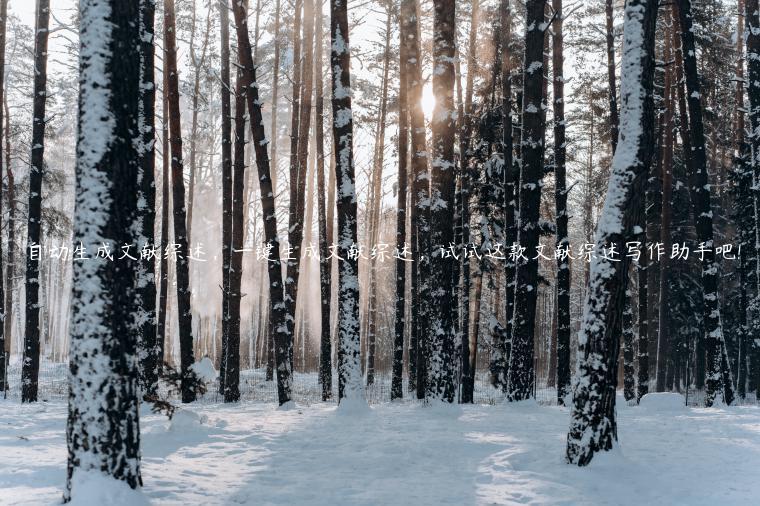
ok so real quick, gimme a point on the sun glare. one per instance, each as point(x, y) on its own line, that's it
point(428, 101)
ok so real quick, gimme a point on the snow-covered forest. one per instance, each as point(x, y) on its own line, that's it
point(379, 252)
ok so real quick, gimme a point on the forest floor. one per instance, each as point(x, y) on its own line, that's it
point(404, 453)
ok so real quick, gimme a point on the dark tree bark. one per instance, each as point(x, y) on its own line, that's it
point(462, 220)
point(663, 343)
point(719, 379)
point(31, 365)
point(276, 291)
point(232, 351)
point(611, 78)
point(149, 350)
point(350, 386)
point(419, 176)
point(442, 335)
point(397, 391)
point(163, 297)
point(103, 431)
point(521, 373)
point(4, 309)
point(226, 89)
point(752, 20)
point(629, 384)
point(180, 213)
point(325, 275)
point(593, 427)
point(560, 197)
point(297, 172)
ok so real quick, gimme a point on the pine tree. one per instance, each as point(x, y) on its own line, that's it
point(149, 352)
point(442, 336)
point(419, 192)
point(521, 373)
point(397, 391)
point(278, 314)
point(325, 274)
point(226, 90)
point(4, 309)
point(593, 426)
point(178, 203)
point(350, 386)
point(31, 366)
point(560, 197)
point(719, 379)
point(103, 432)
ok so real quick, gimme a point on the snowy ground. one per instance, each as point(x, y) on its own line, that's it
point(254, 453)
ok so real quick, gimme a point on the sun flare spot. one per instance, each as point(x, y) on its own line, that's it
point(428, 101)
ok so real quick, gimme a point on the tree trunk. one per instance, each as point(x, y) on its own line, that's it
point(397, 391)
point(103, 432)
point(149, 350)
point(226, 88)
point(276, 293)
point(420, 198)
point(376, 221)
point(560, 197)
point(297, 176)
point(3, 299)
point(350, 386)
point(752, 20)
point(325, 281)
point(611, 79)
point(163, 297)
point(178, 200)
point(441, 384)
point(31, 366)
point(521, 373)
point(718, 376)
point(663, 343)
point(231, 357)
point(593, 427)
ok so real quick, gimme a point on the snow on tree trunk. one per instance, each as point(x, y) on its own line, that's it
point(593, 426)
point(521, 373)
point(276, 291)
point(148, 345)
point(31, 365)
point(350, 387)
point(752, 20)
point(441, 384)
point(4, 308)
point(103, 433)
point(718, 380)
